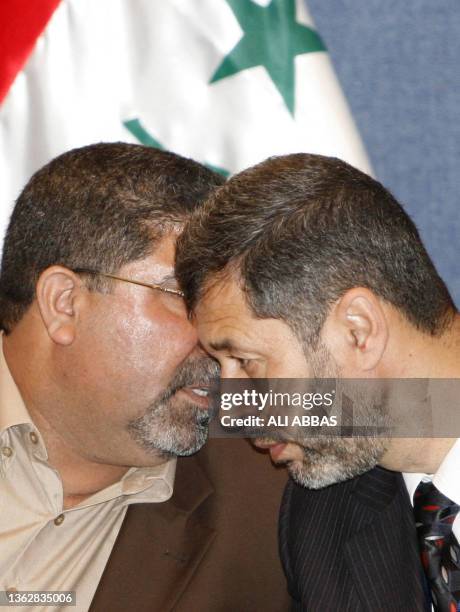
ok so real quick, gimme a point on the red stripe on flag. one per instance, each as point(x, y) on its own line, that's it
point(21, 23)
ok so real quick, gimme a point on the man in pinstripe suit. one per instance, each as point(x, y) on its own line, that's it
point(304, 267)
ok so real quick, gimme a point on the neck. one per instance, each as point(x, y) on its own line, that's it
point(418, 455)
point(81, 477)
point(422, 356)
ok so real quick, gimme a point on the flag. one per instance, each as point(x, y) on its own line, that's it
point(226, 82)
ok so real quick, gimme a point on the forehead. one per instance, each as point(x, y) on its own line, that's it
point(159, 262)
point(225, 321)
point(223, 309)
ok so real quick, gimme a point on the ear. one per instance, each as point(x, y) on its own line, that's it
point(56, 292)
point(356, 330)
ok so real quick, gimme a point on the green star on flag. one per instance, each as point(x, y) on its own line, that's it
point(147, 80)
point(272, 38)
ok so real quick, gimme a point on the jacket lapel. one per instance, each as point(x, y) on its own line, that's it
point(158, 549)
point(383, 556)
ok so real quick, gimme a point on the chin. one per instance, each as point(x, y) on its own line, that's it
point(348, 458)
point(319, 478)
point(170, 444)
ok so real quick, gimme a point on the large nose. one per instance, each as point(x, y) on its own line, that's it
point(229, 372)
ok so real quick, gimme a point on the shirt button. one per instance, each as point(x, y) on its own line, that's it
point(7, 451)
point(33, 437)
point(59, 520)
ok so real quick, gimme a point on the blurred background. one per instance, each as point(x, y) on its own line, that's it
point(230, 82)
point(399, 65)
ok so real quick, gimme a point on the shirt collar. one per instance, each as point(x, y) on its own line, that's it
point(138, 485)
point(147, 485)
point(12, 408)
point(151, 484)
point(446, 479)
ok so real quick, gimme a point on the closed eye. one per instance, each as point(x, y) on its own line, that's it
point(243, 362)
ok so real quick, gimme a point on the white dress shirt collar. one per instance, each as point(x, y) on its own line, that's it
point(446, 479)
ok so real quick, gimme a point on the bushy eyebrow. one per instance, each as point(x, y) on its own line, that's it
point(168, 278)
point(222, 345)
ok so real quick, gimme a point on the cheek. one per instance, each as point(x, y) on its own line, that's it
point(177, 336)
point(286, 365)
point(150, 344)
point(165, 337)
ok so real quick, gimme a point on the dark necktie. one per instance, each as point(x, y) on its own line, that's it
point(440, 551)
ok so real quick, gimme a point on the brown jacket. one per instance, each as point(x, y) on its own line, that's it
point(211, 548)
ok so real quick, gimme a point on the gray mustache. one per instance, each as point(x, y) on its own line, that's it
point(196, 372)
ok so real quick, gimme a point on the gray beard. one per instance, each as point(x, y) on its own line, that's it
point(329, 460)
point(172, 426)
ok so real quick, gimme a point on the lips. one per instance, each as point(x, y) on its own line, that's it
point(200, 392)
point(274, 448)
point(199, 395)
point(276, 451)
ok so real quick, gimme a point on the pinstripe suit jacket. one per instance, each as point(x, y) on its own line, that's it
point(352, 546)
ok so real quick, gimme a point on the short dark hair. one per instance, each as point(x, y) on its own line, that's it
point(299, 231)
point(100, 206)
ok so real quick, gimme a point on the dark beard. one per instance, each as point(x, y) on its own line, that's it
point(173, 426)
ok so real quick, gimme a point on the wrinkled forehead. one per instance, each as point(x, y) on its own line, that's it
point(226, 325)
point(223, 307)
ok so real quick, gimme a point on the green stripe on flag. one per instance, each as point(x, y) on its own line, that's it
point(138, 131)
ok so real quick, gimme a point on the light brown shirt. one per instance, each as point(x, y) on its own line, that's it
point(43, 546)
